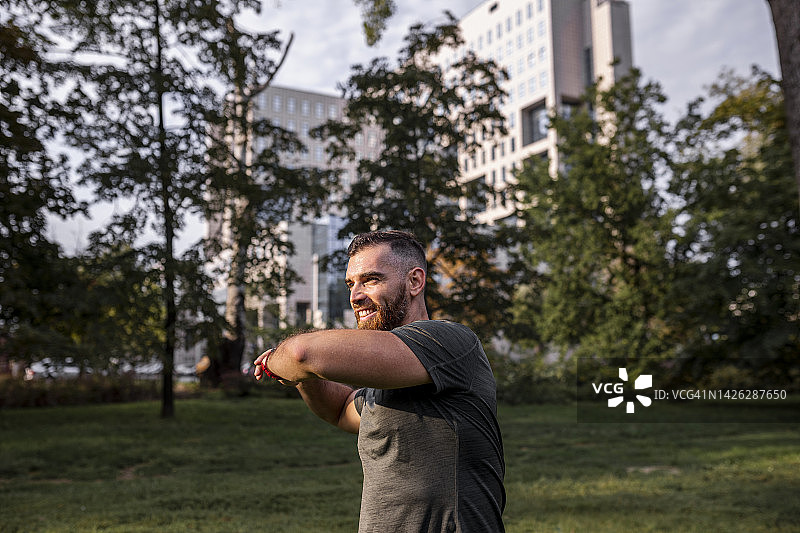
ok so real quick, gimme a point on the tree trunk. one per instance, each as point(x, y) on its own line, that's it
point(786, 19)
point(168, 362)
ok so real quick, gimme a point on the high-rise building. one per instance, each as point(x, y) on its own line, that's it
point(320, 298)
point(552, 50)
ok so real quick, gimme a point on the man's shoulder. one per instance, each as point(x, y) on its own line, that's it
point(440, 331)
point(437, 325)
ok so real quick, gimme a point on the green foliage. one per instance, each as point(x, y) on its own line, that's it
point(375, 14)
point(84, 390)
point(596, 232)
point(737, 289)
point(532, 380)
point(37, 285)
point(413, 183)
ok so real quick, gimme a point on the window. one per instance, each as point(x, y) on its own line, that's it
point(276, 102)
point(513, 144)
point(290, 125)
point(519, 17)
point(520, 41)
point(372, 140)
point(532, 84)
point(531, 59)
point(529, 9)
point(534, 123)
point(539, 5)
point(305, 108)
point(521, 90)
point(541, 28)
point(332, 111)
point(529, 33)
point(499, 29)
point(359, 138)
point(262, 100)
point(304, 129)
point(480, 42)
point(319, 109)
point(320, 153)
point(499, 53)
point(543, 79)
point(542, 53)
point(520, 66)
point(291, 104)
point(489, 37)
point(508, 24)
point(509, 47)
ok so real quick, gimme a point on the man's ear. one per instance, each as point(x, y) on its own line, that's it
point(416, 281)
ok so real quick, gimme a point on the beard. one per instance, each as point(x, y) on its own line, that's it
point(388, 316)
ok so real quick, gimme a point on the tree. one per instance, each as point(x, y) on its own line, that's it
point(786, 19)
point(596, 232)
point(375, 14)
point(34, 279)
point(426, 115)
point(737, 295)
point(252, 193)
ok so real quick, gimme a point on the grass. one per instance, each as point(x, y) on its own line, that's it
point(267, 464)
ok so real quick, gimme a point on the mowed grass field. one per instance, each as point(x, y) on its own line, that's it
point(267, 464)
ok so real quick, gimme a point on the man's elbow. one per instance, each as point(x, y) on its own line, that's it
point(295, 360)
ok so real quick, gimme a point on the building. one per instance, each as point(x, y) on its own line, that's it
point(321, 298)
point(552, 50)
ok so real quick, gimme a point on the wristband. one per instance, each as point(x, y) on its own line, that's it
point(267, 371)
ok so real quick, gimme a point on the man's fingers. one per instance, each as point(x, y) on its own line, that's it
point(258, 372)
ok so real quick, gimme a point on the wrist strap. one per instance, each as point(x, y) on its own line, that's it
point(267, 371)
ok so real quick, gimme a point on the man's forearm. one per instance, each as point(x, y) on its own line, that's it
point(327, 400)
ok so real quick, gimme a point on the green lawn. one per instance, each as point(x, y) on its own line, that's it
point(265, 464)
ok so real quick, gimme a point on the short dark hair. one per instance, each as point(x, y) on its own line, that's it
point(404, 245)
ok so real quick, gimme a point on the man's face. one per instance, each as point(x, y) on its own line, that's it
point(377, 289)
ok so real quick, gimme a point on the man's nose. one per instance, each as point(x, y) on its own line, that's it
point(356, 294)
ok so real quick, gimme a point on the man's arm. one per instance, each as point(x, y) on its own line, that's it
point(364, 358)
point(332, 402)
point(319, 363)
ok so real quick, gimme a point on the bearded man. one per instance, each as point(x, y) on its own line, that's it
point(419, 393)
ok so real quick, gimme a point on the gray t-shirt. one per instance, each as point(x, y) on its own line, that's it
point(433, 455)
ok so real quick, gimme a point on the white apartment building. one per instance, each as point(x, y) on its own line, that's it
point(552, 50)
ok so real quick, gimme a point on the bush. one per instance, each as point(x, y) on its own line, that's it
point(529, 380)
point(78, 391)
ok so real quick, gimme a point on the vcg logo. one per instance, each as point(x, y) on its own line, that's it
point(645, 381)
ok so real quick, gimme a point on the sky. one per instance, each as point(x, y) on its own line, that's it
point(681, 44)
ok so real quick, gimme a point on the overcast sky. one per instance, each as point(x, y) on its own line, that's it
point(682, 44)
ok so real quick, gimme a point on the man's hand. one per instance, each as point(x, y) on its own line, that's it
point(260, 369)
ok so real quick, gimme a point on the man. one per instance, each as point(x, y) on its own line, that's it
point(420, 394)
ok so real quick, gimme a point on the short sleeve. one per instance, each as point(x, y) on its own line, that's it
point(450, 352)
point(359, 399)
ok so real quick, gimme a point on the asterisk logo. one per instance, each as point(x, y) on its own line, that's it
point(645, 381)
